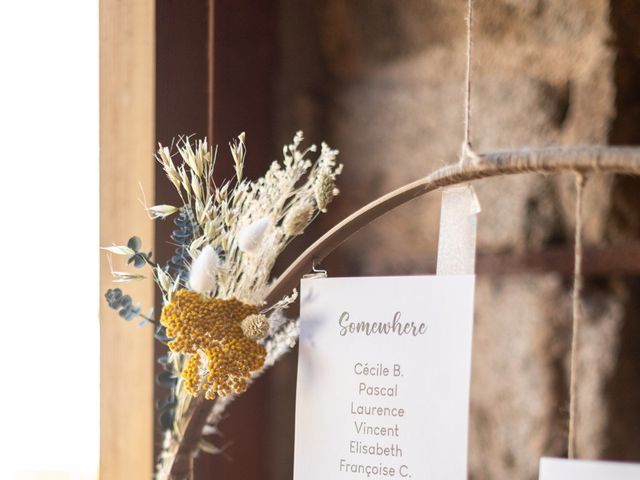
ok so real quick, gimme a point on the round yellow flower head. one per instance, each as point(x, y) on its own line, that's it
point(222, 357)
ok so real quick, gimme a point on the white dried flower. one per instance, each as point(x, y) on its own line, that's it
point(119, 250)
point(281, 341)
point(238, 152)
point(204, 271)
point(196, 246)
point(251, 235)
point(164, 157)
point(255, 327)
point(193, 159)
point(123, 277)
point(164, 280)
point(184, 179)
point(196, 187)
point(297, 219)
point(161, 211)
point(200, 210)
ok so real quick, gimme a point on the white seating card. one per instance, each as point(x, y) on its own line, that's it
point(563, 469)
point(383, 378)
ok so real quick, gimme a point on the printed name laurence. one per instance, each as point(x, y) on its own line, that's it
point(376, 411)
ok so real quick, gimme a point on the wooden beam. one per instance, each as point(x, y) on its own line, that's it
point(126, 145)
point(617, 260)
point(611, 261)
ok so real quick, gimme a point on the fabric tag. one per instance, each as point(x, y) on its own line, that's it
point(458, 225)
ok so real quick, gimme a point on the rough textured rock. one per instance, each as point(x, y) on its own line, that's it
point(383, 82)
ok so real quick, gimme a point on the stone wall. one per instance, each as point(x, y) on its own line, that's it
point(382, 80)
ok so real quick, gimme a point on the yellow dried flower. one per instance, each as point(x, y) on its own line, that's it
point(255, 327)
point(222, 357)
point(297, 219)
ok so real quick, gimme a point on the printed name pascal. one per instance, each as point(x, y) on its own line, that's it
point(377, 390)
point(380, 328)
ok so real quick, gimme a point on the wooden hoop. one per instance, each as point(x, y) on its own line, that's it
point(583, 159)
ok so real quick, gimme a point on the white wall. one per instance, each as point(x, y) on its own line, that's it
point(49, 393)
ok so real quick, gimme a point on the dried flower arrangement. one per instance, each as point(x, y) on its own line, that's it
point(219, 332)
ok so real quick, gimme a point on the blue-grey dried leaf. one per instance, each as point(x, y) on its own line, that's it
point(166, 419)
point(113, 297)
point(143, 323)
point(161, 334)
point(125, 301)
point(181, 236)
point(139, 260)
point(163, 404)
point(129, 312)
point(134, 243)
point(166, 379)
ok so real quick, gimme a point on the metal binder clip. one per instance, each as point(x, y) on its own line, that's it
point(317, 273)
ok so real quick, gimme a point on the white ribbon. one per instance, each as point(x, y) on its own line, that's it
point(458, 225)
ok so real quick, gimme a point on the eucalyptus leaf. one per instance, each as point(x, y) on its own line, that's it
point(166, 419)
point(125, 301)
point(161, 334)
point(134, 244)
point(166, 403)
point(143, 322)
point(139, 260)
point(166, 379)
point(113, 297)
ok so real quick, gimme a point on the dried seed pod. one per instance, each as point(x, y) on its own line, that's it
point(297, 219)
point(324, 190)
point(255, 327)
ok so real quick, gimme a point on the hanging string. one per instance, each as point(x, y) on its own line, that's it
point(575, 303)
point(210, 64)
point(467, 153)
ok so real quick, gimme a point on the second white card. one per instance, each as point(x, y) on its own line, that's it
point(564, 469)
